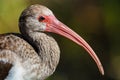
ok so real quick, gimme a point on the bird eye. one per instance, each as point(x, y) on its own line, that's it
point(41, 18)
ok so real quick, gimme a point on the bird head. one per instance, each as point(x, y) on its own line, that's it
point(38, 18)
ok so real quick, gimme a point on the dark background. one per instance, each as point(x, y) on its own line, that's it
point(97, 21)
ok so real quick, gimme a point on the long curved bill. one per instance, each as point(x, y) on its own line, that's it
point(57, 27)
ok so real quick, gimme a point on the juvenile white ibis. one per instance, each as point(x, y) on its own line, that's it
point(34, 54)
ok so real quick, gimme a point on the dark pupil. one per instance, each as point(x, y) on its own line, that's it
point(41, 18)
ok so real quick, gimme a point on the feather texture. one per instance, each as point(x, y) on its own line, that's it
point(20, 61)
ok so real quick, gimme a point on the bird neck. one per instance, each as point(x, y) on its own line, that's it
point(46, 47)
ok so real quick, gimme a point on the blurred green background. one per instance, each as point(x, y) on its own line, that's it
point(97, 21)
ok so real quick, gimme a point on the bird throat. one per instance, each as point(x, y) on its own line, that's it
point(46, 47)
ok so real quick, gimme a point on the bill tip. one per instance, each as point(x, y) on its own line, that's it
point(101, 70)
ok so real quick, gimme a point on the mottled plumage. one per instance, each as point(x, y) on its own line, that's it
point(34, 54)
point(16, 51)
point(31, 55)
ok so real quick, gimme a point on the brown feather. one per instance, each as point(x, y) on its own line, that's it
point(4, 69)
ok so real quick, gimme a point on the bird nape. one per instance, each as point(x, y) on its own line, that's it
point(34, 54)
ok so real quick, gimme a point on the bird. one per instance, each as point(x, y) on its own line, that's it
point(33, 54)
